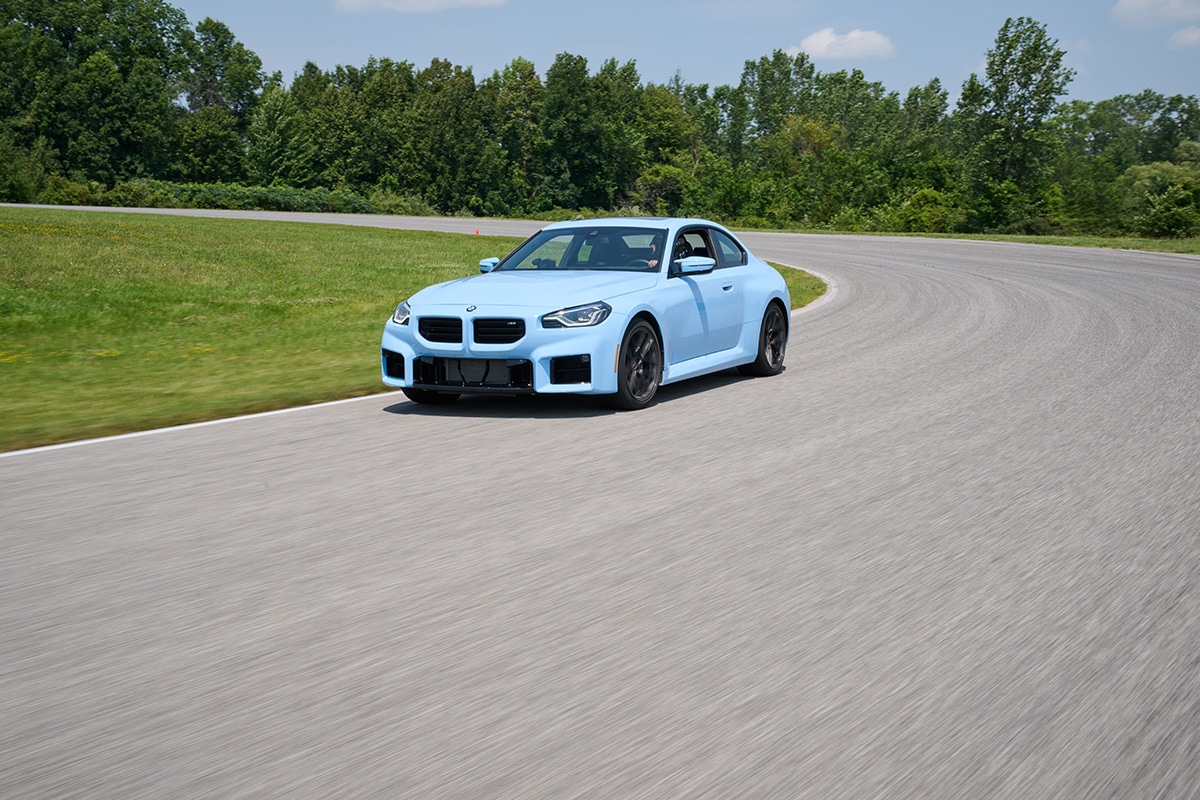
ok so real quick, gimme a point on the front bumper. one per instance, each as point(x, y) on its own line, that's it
point(542, 361)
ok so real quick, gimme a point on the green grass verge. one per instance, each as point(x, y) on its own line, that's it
point(803, 287)
point(1184, 246)
point(111, 323)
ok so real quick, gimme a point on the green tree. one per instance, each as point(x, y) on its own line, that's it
point(1003, 132)
point(513, 101)
point(221, 89)
point(616, 98)
point(335, 117)
point(1102, 140)
point(22, 173)
point(919, 156)
point(223, 72)
point(308, 87)
point(94, 82)
point(112, 127)
point(863, 110)
point(211, 147)
point(672, 148)
point(448, 157)
point(799, 140)
point(573, 134)
point(703, 126)
point(668, 131)
point(725, 190)
point(733, 110)
point(776, 87)
point(1096, 149)
point(279, 147)
point(387, 92)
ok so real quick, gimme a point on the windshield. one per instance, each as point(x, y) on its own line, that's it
point(607, 247)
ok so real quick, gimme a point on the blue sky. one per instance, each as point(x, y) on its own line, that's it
point(1115, 46)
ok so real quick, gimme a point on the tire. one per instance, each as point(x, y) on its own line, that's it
point(772, 343)
point(639, 369)
point(426, 397)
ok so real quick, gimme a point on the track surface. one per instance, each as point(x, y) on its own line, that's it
point(953, 551)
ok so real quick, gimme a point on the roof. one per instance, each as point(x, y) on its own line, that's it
point(656, 223)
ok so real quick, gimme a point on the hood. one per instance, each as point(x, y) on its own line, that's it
point(536, 289)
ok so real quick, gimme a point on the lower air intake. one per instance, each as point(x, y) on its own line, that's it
point(571, 369)
point(393, 364)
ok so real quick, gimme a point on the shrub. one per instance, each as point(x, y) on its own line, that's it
point(165, 194)
point(137, 194)
point(849, 219)
point(1172, 214)
point(59, 191)
point(1035, 226)
point(926, 211)
point(387, 201)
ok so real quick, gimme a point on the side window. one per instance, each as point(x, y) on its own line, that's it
point(691, 243)
point(729, 253)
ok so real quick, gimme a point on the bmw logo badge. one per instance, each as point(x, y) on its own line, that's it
point(470, 308)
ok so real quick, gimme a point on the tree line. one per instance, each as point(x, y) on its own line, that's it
point(123, 102)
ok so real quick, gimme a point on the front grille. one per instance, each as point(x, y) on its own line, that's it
point(571, 369)
point(447, 330)
point(393, 364)
point(498, 331)
point(474, 374)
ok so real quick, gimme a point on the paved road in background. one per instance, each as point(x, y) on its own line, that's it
point(953, 551)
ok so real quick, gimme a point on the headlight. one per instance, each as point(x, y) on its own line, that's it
point(401, 314)
point(578, 317)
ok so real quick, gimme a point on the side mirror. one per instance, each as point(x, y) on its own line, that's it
point(488, 264)
point(696, 265)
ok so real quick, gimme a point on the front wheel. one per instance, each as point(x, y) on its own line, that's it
point(772, 342)
point(426, 397)
point(639, 367)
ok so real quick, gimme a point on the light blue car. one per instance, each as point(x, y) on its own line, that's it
point(613, 307)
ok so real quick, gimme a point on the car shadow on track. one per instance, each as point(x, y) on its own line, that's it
point(557, 406)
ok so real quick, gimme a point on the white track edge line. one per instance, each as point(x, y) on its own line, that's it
point(189, 425)
point(830, 291)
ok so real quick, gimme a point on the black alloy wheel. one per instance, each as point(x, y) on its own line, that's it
point(772, 343)
point(639, 369)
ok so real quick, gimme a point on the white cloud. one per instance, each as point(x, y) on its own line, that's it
point(412, 6)
point(1188, 37)
point(1148, 13)
point(855, 44)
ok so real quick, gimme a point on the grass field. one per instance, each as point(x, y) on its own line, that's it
point(111, 323)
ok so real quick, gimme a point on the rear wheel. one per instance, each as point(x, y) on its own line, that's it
point(639, 368)
point(772, 342)
point(429, 398)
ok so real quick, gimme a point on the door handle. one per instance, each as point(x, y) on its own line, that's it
point(727, 287)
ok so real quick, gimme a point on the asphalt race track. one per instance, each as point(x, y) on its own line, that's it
point(952, 552)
